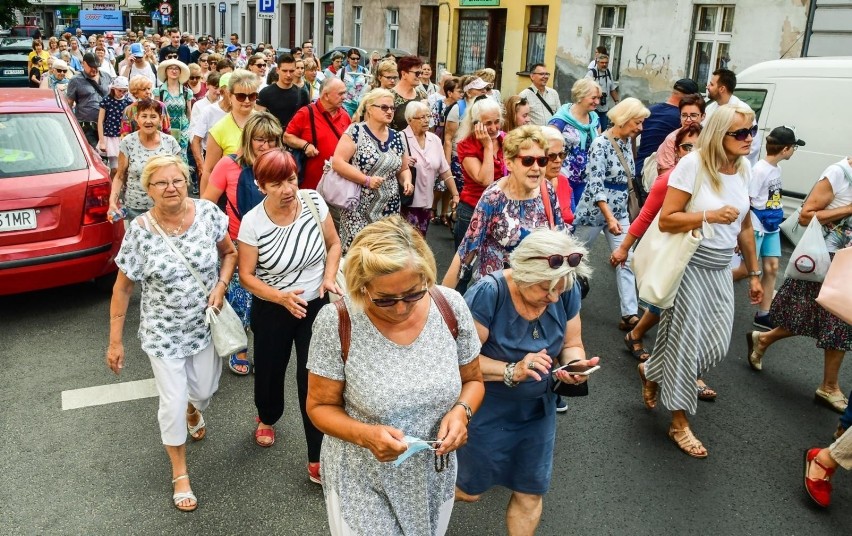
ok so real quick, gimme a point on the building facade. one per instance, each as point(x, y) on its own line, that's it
point(408, 25)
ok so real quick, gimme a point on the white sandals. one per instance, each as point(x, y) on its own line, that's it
point(199, 428)
point(184, 495)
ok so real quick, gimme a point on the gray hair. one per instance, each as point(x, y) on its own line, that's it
point(337, 55)
point(627, 109)
point(474, 113)
point(413, 107)
point(327, 81)
point(527, 270)
point(551, 134)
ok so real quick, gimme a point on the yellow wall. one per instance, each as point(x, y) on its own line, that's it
point(515, 42)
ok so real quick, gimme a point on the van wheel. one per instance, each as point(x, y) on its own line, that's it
point(105, 283)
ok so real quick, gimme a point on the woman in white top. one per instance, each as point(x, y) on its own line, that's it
point(288, 261)
point(695, 333)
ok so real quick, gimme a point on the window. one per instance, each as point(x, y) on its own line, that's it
point(392, 35)
point(473, 36)
point(609, 32)
point(536, 35)
point(711, 30)
point(356, 20)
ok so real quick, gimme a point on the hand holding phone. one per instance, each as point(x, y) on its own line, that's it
point(576, 371)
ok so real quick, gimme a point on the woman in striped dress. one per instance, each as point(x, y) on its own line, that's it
point(707, 190)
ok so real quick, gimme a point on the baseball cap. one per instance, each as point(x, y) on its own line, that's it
point(687, 86)
point(91, 60)
point(119, 82)
point(476, 83)
point(137, 50)
point(224, 79)
point(203, 41)
point(784, 136)
point(231, 48)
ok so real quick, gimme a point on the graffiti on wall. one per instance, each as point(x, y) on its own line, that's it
point(650, 61)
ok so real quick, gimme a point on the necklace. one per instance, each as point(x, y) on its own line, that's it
point(174, 232)
point(536, 324)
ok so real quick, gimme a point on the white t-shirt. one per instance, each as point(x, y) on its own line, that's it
point(209, 116)
point(289, 257)
point(734, 193)
point(764, 190)
point(840, 185)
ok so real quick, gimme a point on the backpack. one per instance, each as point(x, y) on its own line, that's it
point(248, 193)
point(649, 172)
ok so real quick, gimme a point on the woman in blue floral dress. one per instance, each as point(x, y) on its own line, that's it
point(177, 98)
point(579, 125)
point(509, 209)
point(356, 78)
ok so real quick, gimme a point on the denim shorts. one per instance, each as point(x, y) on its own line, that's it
point(767, 244)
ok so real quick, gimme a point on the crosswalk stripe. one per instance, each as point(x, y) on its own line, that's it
point(108, 394)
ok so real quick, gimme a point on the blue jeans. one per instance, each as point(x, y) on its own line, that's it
point(846, 418)
point(624, 278)
point(603, 119)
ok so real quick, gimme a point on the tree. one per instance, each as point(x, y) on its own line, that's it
point(7, 11)
point(154, 5)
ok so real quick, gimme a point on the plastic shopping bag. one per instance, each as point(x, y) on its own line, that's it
point(810, 259)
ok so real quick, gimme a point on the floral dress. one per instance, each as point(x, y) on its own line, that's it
point(607, 182)
point(373, 158)
point(177, 108)
point(113, 108)
point(356, 84)
point(498, 226)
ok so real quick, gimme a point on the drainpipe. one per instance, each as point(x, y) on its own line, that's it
point(809, 28)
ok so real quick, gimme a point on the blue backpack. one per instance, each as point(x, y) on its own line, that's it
point(248, 194)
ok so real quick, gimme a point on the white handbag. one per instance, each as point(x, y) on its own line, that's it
point(229, 336)
point(810, 260)
point(660, 259)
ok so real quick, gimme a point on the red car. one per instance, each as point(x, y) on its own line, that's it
point(54, 197)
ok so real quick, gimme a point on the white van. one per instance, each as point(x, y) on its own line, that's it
point(814, 97)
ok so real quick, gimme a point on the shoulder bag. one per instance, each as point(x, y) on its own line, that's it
point(834, 293)
point(339, 279)
point(544, 102)
point(633, 205)
point(229, 336)
point(407, 200)
point(661, 258)
point(336, 190)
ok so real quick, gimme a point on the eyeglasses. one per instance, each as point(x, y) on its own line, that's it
point(743, 133)
point(384, 107)
point(542, 74)
point(266, 141)
point(553, 157)
point(241, 97)
point(61, 70)
point(687, 146)
point(177, 184)
point(171, 56)
point(690, 116)
point(527, 161)
point(354, 58)
point(260, 65)
point(489, 87)
point(416, 73)
point(420, 118)
point(556, 261)
point(195, 78)
point(390, 302)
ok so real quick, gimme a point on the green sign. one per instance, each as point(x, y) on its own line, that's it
point(479, 3)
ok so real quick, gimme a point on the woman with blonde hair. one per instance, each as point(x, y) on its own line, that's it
point(489, 76)
point(386, 75)
point(407, 376)
point(707, 191)
point(311, 80)
point(140, 88)
point(603, 205)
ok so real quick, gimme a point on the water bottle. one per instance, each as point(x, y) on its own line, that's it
point(117, 215)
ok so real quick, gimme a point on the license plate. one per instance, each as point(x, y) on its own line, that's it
point(17, 220)
point(13, 72)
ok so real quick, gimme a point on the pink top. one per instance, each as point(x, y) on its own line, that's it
point(652, 205)
point(563, 195)
point(667, 153)
point(225, 176)
point(431, 162)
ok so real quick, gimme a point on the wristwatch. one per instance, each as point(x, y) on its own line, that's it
point(756, 274)
point(467, 410)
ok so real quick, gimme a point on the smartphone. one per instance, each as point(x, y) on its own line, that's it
point(577, 369)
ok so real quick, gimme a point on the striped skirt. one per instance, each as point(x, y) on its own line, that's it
point(695, 333)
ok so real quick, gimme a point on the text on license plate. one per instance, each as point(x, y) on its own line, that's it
point(13, 72)
point(17, 220)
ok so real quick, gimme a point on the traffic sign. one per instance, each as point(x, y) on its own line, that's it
point(167, 19)
point(266, 9)
point(155, 15)
point(222, 7)
point(166, 9)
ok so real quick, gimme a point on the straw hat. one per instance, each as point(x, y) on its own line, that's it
point(184, 70)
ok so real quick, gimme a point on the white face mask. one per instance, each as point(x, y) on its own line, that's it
point(415, 445)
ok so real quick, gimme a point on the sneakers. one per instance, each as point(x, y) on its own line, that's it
point(561, 405)
point(314, 473)
point(763, 321)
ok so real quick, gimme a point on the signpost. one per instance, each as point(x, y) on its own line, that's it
point(165, 9)
point(266, 9)
point(222, 8)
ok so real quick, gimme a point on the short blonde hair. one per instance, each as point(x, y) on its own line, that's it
point(626, 110)
point(487, 75)
point(194, 68)
point(156, 163)
point(371, 98)
point(259, 125)
point(523, 137)
point(584, 87)
point(244, 79)
point(382, 248)
point(527, 270)
point(139, 83)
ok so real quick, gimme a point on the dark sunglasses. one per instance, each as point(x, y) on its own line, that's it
point(260, 65)
point(743, 133)
point(553, 157)
point(384, 107)
point(61, 70)
point(194, 77)
point(527, 161)
point(522, 101)
point(687, 146)
point(243, 96)
point(390, 302)
point(171, 56)
point(416, 73)
point(356, 58)
point(556, 261)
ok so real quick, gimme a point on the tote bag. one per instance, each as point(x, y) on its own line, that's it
point(834, 294)
point(337, 191)
point(810, 259)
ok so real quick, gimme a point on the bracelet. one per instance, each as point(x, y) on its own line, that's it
point(367, 179)
point(223, 282)
point(467, 411)
point(305, 146)
point(704, 217)
point(508, 374)
point(758, 273)
point(116, 316)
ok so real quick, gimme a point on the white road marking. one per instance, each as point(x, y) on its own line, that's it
point(108, 394)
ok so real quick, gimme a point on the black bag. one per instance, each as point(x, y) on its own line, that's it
point(569, 389)
point(406, 200)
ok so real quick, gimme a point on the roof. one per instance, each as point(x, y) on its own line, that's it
point(826, 67)
point(21, 99)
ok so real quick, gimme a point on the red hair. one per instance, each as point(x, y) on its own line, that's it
point(274, 166)
point(408, 63)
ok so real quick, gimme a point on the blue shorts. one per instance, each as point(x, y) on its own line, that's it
point(767, 244)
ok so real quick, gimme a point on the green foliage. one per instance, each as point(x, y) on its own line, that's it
point(7, 11)
point(153, 5)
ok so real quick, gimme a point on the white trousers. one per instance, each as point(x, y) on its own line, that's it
point(180, 381)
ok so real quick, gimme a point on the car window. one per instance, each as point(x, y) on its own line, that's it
point(37, 144)
point(755, 98)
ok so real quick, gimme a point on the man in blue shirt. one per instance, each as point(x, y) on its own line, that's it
point(664, 119)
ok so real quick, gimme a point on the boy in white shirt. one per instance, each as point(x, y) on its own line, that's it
point(767, 213)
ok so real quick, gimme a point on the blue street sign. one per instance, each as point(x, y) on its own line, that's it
point(266, 9)
point(222, 7)
point(155, 15)
point(167, 19)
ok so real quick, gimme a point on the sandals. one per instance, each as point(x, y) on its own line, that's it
point(706, 394)
point(639, 353)
point(265, 433)
point(839, 432)
point(628, 322)
point(755, 354)
point(198, 431)
point(687, 442)
point(649, 389)
point(836, 401)
point(818, 489)
point(234, 362)
point(184, 495)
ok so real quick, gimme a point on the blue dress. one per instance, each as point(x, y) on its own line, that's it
point(510, 440)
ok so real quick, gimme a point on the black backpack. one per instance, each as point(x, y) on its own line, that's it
point(248, 194)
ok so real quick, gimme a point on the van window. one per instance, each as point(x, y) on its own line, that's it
point(24, 149)
point(755, 98)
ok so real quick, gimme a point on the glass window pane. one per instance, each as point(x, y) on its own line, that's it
point(707, 19)
point(727, 20)
point(473, 34)
point(701, 62)
point(607, 17)
point(723, 58)
point(535, 48)
point(755, 98)
point(622, 14)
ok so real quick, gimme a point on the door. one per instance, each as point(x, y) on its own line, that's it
point(496, 40)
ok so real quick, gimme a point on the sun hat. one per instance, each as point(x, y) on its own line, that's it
point(476, 83)
point(184, 70)
point(119, 82)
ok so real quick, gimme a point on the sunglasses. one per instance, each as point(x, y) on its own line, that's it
point(243, 96)
point(687, 146)
point(384, 107)
point(527, 161)
point(194, 77)
point(171, 56)
point(553, 157)
point(61, 70)
point(390, 302)
point(354, 58)
point(556, 261)
point(260, 65)
point(489, 87)
point(743, 133)
point(416, 73)
point(523, 101)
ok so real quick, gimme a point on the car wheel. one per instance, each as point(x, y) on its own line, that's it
point(105, 283)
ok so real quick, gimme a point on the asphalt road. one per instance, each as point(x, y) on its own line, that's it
point(102, 469)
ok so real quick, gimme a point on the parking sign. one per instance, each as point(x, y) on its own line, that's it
point(266, 9)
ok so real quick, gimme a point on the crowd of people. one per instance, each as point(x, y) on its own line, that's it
point(455, 383)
